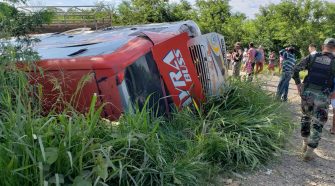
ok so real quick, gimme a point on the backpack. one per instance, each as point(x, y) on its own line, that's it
point(258, 56)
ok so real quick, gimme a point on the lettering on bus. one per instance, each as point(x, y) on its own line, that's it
point(180, 77)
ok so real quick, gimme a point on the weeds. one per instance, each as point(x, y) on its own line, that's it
point(239, 130)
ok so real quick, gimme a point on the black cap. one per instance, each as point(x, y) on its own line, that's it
point(291, 49)
point(330, 42)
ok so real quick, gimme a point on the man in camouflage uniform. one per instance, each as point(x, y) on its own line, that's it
point(237, 59)
point(315, 92)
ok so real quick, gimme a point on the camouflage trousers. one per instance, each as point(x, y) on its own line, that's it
point(315, 115)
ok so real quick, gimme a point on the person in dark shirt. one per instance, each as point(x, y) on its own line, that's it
point(289, 62)
point(237, 59)
point(315, 94)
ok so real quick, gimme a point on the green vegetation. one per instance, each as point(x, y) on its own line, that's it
point(291, 22)
point(241, 129)
point(18, 24)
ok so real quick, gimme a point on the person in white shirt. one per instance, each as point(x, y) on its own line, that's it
point(244, 59)
point(312, 49)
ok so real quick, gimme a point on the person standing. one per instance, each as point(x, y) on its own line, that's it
point(271, 66)
point(260, 62)
point(315, 92)
point(251, 61)
point(289, 62)
point(312, 49)
point(332, 129)
point(281, 59)
point(229, 58)
point(237, 59)
point(245, 59)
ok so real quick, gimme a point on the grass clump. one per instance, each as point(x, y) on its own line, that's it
point(239, 130)
point(244, 127)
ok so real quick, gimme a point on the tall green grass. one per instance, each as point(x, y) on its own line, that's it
point(84, 149)
point(241, 129)
point(244, 127)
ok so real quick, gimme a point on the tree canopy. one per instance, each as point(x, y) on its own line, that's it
point(18, 24)
point(290, 22)
point(294, 22)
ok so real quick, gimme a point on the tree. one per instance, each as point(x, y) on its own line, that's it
point(294, 22)
point(212, 15)
point(151, 11)
point(233, 29)
point(148, 11)
point(16, 23)
point(126, 15)
point(180, 11)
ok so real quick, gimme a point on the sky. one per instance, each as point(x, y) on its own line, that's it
point(249, 7)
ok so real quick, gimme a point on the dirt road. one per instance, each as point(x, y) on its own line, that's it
point(289, 169)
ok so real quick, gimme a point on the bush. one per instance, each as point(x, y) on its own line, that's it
point(244, 127)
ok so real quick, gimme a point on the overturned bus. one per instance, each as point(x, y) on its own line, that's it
point(172, 63)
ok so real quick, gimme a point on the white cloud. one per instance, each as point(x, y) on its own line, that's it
point(249, 7)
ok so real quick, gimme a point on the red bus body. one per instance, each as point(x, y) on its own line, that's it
point(172, 63)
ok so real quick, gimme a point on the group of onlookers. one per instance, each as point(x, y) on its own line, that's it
point(250, 60)
point(316, 91)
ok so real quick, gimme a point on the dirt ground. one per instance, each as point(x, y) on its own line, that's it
point(289, 169)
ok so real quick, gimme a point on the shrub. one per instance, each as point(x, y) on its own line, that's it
point(239, 130)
